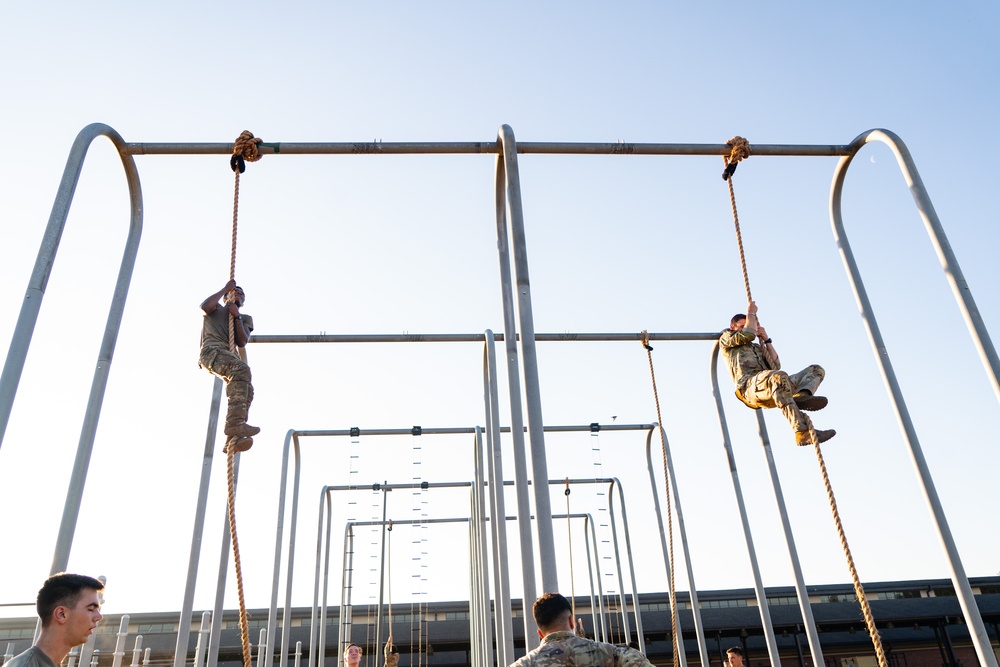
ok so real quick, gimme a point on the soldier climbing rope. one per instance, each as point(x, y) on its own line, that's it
point(740, 150)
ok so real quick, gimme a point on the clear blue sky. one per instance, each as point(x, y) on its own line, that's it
point(393, 244)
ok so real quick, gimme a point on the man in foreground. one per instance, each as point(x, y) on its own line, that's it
point(760, 382)
point(70, 608)
point(560, 645)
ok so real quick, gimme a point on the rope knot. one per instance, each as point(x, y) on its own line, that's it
point(244, 150)
point(739, 149)
point(645, 341)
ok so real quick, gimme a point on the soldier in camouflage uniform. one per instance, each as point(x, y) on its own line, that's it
point(561, 647)
point(760, 382)
point(218, 359)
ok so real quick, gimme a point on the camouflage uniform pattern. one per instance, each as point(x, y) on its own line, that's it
point(217, 359)
point(761, 384)
point(565, 649)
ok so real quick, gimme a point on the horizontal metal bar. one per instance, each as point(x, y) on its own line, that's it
point(473, 338)
point(485, 147)
point(465, 430)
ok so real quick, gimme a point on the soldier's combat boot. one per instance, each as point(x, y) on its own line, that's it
point(235, 443)
point(802, 438)
point(240, 429)
point(806, 401)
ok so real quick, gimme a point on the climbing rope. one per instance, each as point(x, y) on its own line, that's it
point(245, 148)
point(859, 590)
point(569, 543)
point(670, 520)
point(740, 150)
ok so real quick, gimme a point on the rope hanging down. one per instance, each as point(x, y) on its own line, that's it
point(670, 518)
point(740, 150)
point(244, 149)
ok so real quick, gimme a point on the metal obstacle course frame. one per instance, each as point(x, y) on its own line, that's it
point(517, 311)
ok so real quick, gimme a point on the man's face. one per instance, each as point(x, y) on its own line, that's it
point(353, 655)
point(80, 620)
point(735, 659)
point(740, 323)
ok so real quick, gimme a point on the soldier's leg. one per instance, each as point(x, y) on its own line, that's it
point(808, 379)
point(239, 392)
point(774, 389)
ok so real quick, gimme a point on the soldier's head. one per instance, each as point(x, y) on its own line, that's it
point(352, 654)
point(735, 656)
point(238, 296)
point(552, 612)
point(64, 591)
point(738, 321)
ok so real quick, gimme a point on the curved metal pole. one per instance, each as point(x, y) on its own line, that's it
point(346, 609)
point(516, 419)
point(616, 483)
point(286, 621)
point(317, 617)
point(25, 327)
point(758, 585)
point(699, 629)
point(532, 393)
point(587, 521)
point(987, 353)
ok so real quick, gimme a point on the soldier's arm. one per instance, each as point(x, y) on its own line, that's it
point(630, 657)
point(212, 302)
point(770, 354)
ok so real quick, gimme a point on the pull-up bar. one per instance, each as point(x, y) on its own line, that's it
point(484, 148)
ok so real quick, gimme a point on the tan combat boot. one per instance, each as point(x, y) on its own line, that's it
point(803, 438)
point(236, 444)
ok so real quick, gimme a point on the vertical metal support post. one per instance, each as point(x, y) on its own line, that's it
point(220, 588)
point(187, 606)
point(699, 629)
point(615, 483)
point(805, 608)
point(119, 654)
point(291, 444)
point(980, 336)
point(494, 465)
point(758, 585)
point(202, 646)
point(516, 418)
point(532, 393)
point(315, 616)
point(346, 616)
point(324, 579)
point(381, 581)
point(483, 570)
point(596, 611)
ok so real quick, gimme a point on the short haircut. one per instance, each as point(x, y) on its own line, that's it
point(226, 298)
point(550, 609)
point(735, 649)
point(62, 590)
point(347, 648)
point(732, 323)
